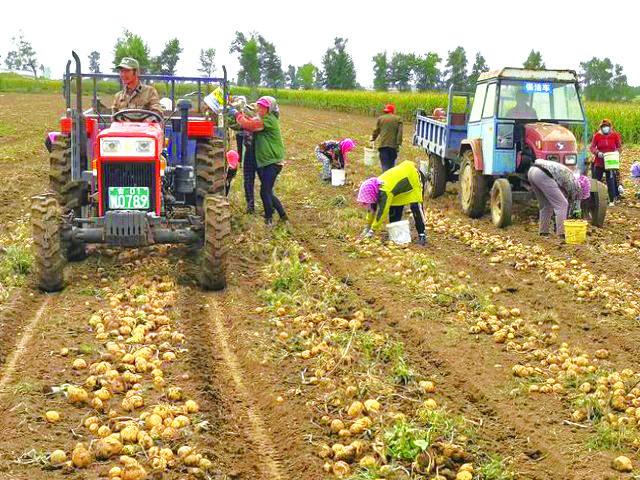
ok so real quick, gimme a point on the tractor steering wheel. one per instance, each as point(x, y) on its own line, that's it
point(137, 115)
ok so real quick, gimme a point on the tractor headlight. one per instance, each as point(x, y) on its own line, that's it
point(127, 147)
point(144, 146)
point(553, 158)
point(109, 145)
point(570, 159)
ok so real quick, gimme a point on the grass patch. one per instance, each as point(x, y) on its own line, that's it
point(86, 349)
point(405, 440)
point(609, 438)
point(495, 468)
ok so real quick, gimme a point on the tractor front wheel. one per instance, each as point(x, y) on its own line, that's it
point(595, 207)
point(473, 187)
point(217, 231)
point(70, 194)
point(501, 203)
point(46, 220)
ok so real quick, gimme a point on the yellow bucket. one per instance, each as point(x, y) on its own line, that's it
point(575, 231)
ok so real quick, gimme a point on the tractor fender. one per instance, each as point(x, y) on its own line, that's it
point(475, 144)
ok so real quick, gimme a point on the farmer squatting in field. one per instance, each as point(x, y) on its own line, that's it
point(386, 196)
point(333, 155)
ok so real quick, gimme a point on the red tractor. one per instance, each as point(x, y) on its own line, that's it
point(133, 179)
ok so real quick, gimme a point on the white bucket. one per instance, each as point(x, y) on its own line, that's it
point(399, 232)
point(370, 156)
point(424, 166)
point(338, 177)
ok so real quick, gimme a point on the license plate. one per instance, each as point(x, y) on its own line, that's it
point(128, 198)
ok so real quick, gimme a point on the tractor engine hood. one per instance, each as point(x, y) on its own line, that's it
point(546, 138)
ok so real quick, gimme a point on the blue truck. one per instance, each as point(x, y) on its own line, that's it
point(488, 140)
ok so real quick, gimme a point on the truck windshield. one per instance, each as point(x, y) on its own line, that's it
point(539, 101)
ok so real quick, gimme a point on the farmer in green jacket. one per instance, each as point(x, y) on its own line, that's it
point(386, 196)
point(388, 133)
point(269, 150)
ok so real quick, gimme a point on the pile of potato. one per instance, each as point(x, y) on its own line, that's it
point(135, 416)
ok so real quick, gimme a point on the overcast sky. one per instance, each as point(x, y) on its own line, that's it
point(565, 32)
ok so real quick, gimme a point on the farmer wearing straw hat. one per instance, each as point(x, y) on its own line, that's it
point(388, 133)
point(386, 196)
point(135, 94)
point(558, 190)
point(606, 140)
point(333, 154)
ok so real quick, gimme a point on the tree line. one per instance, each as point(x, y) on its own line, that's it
point(260, 65)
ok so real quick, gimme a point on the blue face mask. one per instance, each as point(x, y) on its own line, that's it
point(606, 130)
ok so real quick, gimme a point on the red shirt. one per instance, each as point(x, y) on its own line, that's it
point(605, 143)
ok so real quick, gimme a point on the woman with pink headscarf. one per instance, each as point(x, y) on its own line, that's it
point(333, 155)
point(559, 190)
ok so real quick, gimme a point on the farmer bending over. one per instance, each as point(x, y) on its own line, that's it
point(333, 154)
point(385, 197)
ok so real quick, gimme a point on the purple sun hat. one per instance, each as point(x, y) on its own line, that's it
point(635, 170)
point(368, 193)
point(585, 186)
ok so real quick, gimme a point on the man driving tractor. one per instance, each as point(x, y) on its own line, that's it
point(522, 110)
point(135, 94)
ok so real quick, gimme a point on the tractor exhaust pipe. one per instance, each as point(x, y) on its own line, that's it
point(78, 130)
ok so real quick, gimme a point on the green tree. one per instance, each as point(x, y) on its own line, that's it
point(94, 62)
point(271, 72)
point(27, 54)
point(479, 66)
point(307, 76)
point(401, 70)
point(426, 71)
point(131, 45)
point(12, 60)
point(603, 80)
point(291, 78)
point(456, 69)
point(339, 71)
point(207, 61)
point(249, 73)
point(534, 61)
point(381, 72)
point(165, 63)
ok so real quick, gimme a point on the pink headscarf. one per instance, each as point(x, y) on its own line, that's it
point(368, 193)
point(585, 186)
point(264, 102)
point(346, 146)
point(233, 159)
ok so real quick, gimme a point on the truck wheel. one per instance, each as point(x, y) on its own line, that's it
point(69, 193)
point(436, 181)
point(595, 207)
point(217, 230)
point(473, 187)
point(210, 170)
point(45, 222)
point(501, 203)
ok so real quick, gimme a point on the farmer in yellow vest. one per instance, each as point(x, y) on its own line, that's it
point(386, 196)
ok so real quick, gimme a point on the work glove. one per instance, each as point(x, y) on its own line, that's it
point(366, 233)
point(233, 111)
point(600, 155)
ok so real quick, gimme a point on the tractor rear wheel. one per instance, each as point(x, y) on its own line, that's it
point(69, 193)
point(217, 231)
point(210, 170)
point(501, 203)
point(46, 220)
point(595, 207)
point(436, 181)
point(473, 187)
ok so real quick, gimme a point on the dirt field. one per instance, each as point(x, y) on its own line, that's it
point(517, 353)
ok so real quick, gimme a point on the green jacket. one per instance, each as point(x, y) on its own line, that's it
point(388, 131)
point(268, 142)
point(401, 185)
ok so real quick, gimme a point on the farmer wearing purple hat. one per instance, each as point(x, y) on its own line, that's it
point(386, 196)
point(269, 149)
point(333, 154)
point(558, 190)
point(635, 177)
